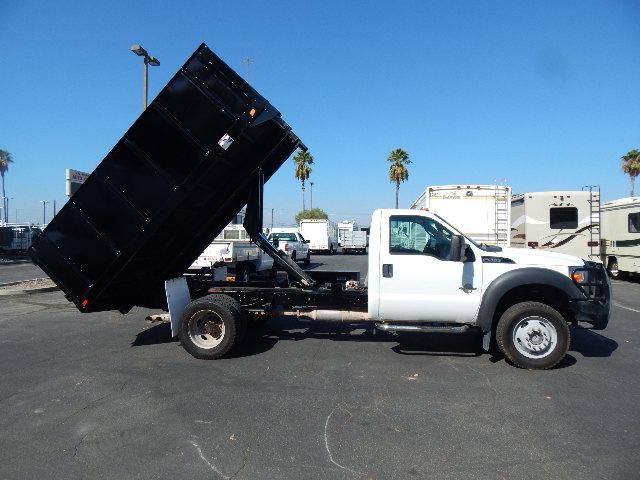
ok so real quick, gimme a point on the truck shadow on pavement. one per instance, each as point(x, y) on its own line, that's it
point(263, 337)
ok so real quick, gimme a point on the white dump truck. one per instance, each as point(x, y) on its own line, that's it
point(207, 144)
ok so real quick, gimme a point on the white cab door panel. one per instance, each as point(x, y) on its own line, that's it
point(416, 281)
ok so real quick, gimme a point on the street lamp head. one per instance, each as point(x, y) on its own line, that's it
point(138, 50)
point(153, 61)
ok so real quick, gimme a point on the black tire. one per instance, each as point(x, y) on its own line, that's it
point(612, 268)
point(293, 256)
point(307, 261)
point(220, 310)
point(516, 317)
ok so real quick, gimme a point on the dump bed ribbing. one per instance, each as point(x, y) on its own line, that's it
point(168, 187)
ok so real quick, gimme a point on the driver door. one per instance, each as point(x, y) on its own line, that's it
point(417, 281)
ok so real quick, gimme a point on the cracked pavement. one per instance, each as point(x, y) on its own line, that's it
point(108, 396)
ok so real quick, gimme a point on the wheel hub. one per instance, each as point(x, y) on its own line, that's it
point(213, 329)
point(534, 337)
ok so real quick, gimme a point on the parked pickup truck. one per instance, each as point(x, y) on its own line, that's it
point(354, 241)
point(233, 249)
point(291, 242)
point(202, 150)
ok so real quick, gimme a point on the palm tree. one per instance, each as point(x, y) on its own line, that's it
point(302, 161)
point(398, 171)
point(631, 166)
point(5, 160)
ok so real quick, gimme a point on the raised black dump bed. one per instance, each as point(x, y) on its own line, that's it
point(189, 163)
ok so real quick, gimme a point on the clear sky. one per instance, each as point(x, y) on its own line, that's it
point(544, 93)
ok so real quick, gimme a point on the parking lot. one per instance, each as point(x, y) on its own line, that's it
point(111, 396)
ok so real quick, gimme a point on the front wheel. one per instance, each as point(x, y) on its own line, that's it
point(533, 335)
point(612, 268)
point(307, 260)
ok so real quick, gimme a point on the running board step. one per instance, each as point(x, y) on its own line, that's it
point(390, 327)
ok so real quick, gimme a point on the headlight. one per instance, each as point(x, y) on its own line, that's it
point(578, 274)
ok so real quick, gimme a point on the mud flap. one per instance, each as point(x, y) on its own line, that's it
point(178, 298)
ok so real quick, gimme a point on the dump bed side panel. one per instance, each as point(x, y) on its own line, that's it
point(168, 187)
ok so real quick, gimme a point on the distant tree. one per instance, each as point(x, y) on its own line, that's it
point(302, 171)
point(398, 169)
point(631, 166)
point(5, 160)
point(314, 213)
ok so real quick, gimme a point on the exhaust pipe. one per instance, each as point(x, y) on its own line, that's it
point(326, 315)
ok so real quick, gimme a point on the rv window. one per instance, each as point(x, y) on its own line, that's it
point(517, 202)
point(563, 217)
point(634, 222)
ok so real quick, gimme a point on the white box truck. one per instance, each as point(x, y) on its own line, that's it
point(322, 235)
point(480, 211)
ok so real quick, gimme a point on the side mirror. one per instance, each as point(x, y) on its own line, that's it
point(458, 249)
point(307, 241)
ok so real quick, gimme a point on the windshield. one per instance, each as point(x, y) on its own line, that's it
point(290, 237)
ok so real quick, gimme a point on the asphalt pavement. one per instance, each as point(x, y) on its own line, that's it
point(106, 395)
point(14, 271)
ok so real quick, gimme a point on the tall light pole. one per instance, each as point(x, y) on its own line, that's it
point(44, 211)
point(311, 183)
point(148, 60)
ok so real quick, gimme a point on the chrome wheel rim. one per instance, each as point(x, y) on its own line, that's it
point(535, 337)
point(206, 329)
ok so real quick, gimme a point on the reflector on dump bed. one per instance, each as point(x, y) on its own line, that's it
point(167, 188)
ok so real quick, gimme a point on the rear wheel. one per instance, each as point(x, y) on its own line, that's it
point(533, 335)
point(612, 268)
point(211, 326)
point(307, 260)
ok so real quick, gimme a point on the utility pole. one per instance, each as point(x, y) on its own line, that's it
point(272, 219)
point(311, 183)
point(54, 208)
point(44, 211)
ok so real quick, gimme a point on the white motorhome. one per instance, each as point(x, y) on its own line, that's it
point(480, 211)
point(322, 235)
point(560, 221)
point(621, 236)
point(344, 227)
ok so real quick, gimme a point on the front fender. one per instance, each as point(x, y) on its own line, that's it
point(517, 278)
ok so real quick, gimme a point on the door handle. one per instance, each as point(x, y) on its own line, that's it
point(467, 287)
point(387, 270)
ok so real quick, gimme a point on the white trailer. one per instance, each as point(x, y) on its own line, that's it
point(354, 242)
point(322, 235)
point(621, 236)
point(480, 211)
point(344, 227)
point(559, 221)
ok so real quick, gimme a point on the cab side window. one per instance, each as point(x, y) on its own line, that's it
point(415, 235)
